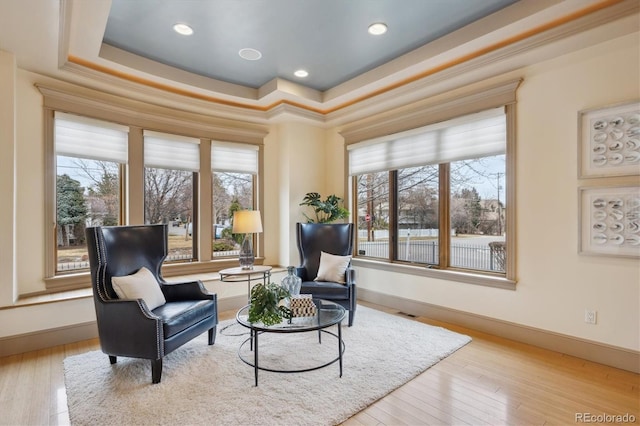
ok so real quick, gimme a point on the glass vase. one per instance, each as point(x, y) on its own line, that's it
point(291, 281)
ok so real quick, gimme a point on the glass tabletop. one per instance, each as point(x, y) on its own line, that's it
point(327, 314)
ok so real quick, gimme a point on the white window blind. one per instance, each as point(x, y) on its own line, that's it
point(82, 137)
point(165, 151)
point(234, 157)
point(471, 136)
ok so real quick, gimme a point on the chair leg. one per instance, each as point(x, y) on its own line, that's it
point(212, 335)
point(351, 315)
point(156, 370)
point(112, 359)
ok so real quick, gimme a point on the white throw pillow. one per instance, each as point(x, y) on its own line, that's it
point(332, 267)
point(141, 285)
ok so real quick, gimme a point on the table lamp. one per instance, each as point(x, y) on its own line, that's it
point(246, 222)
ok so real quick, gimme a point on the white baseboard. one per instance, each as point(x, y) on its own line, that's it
point(36, 340)
point(613, 356)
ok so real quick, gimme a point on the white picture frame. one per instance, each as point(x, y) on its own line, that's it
point(609, 222)
point(609, 141)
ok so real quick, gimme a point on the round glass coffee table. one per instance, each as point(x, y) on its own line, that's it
point(327, 314)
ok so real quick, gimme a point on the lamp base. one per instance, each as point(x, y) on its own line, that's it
point(246, 253)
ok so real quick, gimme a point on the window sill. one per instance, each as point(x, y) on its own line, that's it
point(80, 280)
point(59, 296)
point(450, 275)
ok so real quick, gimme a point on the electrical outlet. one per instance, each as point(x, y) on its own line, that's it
point(590, 317)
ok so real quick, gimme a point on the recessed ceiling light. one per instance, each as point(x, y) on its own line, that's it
point(301, 73)
point(378, 28)
point(250, 54)
point(183, 29)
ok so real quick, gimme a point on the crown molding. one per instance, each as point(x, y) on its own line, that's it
point(429, 111)
point(83, 100)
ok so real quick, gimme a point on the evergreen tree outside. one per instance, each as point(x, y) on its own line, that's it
point(71, 208)
point(234, 207)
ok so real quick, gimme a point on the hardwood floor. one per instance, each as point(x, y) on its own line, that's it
point(490, 381)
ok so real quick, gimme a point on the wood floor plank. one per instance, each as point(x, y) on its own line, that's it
point(9, 377)
point(39, 404)
point(9, 368)
point(414, 415)
point(58, 404)
point(361, 419)
point(448, 412)
point(25, 384)
point(467, 400)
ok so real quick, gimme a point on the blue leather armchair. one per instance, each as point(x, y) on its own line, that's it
point(127, 327)
point(334, 238)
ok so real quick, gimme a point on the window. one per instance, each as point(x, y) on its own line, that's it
point(435, 195)
point(418, 214)
point(90, 155)
point(120, 164)
point(476, 210)
point(234, 167)
point(373, 214)
point(170, 178)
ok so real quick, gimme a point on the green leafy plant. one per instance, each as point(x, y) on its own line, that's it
point(265, 304)
point(327, 210)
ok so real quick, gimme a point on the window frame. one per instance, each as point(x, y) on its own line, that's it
point(249, 166)
point(453, 104)
point(187, 165)
point(140, 116)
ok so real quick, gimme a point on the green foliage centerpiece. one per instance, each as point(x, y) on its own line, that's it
point(265, 304)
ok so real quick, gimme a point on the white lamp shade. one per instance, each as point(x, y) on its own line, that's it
point(247, 222)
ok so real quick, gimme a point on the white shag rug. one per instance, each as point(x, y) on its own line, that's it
point(210, 385)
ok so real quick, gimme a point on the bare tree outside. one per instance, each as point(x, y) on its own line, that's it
point(418, 197)
point(168, 198)
point(373, 203)
point(476, 208)
point(228, 187)
point(168, 195)
point(103, 190)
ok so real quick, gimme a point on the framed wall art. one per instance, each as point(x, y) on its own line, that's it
point(610, 221)
point(609, 141)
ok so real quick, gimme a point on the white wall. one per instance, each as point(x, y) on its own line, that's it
point(555, 284)
point(301, 169)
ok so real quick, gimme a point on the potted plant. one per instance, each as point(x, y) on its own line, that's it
point(326, 211)
point(265, 304)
